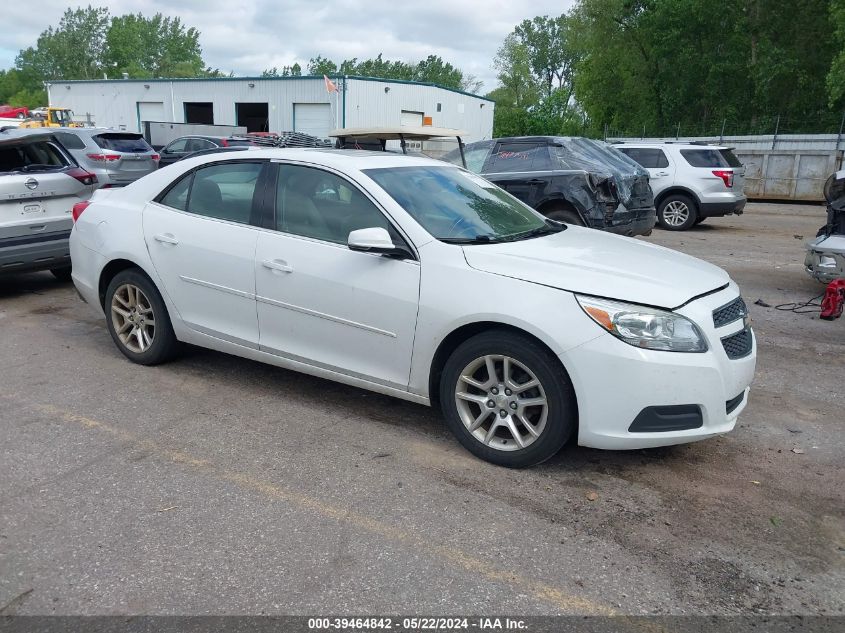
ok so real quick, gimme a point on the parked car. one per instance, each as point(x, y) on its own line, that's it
point(117, 158)
point(39, 184)
point(218, 150)
point(690, 181)
point(184, 145)
point(570, 179)
point(420, 280)
point(10, 112)
point(825, 258)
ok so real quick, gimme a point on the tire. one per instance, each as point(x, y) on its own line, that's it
point(564, 214)
point(21, 115)
point(62, 274)
point(493, 440)
point(156, 342)
point(677, 212)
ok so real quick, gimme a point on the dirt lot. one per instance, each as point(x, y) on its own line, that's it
point(219, 485)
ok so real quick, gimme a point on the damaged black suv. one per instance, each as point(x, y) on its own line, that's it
point(571, 179)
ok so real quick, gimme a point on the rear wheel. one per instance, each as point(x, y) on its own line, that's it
point(507, 399)
point(563, 214)
point(62, 274)
point(676, 212)
point(137, 319)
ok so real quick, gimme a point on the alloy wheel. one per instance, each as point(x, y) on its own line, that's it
point(133, 318)
point(501, 402)
point(676, 213)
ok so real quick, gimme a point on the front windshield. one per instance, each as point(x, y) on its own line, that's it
point(62, 116)
point(455, 205)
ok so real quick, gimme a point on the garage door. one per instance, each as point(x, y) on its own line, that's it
point(409, 118)
point(312, 118)
point(150, 111)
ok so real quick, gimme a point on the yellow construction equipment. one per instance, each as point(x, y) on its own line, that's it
point(55, 117)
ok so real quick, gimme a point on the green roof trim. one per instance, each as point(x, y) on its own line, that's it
point(307, 77)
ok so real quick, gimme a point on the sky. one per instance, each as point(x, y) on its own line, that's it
point(248, 37)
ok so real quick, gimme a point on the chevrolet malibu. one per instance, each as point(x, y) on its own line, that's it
point(420, 280)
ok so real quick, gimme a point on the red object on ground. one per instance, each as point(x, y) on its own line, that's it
point(833, 301)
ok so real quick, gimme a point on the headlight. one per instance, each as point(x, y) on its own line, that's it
point(645, 327)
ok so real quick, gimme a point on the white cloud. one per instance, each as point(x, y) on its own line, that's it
point(247, 37)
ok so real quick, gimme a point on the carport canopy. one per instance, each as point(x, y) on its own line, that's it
point(401, 133)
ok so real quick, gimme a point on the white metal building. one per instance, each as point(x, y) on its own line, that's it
point(300, 104)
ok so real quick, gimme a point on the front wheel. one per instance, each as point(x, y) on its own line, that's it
point(677, 212)
point(137, 319)
point(507, 399)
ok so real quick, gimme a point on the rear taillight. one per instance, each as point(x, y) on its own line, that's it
point(78, 208)
point(85, 177)
point(726, 175)
point(104, 158)
point(155, 157)
point(224, 142)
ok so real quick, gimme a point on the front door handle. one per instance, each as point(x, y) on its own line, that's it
point(166, 238)
point(277, 265)
point(662, 173)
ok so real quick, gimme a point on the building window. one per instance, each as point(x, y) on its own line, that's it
point(439, 107)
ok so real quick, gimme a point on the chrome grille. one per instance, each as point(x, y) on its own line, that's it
point(729, 313)
point(739, 344)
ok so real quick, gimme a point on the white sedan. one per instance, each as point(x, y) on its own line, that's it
point(423, 281)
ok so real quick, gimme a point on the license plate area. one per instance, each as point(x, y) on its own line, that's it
point(32, 208)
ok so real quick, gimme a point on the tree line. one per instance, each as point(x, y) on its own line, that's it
point(628, 67)
point(655, 67)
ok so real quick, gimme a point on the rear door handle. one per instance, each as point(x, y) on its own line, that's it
point(166, 238)
point(277, 265)
point(662, 173)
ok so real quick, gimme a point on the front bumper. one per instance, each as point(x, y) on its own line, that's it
point(825, 259)
point(616, 382)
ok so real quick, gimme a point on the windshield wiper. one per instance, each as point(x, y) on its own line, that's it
point(478, 239)
point(547, 229)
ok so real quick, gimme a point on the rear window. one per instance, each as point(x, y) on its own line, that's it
point(711, 158)
point(231, 141)
point(650, 158)
point(516, 157)
point(70, 141)
point(31, 157)
point(131, 143)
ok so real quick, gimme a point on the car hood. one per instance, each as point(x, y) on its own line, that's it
point(592, 262)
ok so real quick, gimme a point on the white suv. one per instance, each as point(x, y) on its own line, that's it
point(690, 181)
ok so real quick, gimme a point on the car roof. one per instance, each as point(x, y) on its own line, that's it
point(678, 144)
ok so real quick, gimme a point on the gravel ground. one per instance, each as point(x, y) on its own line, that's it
point(215, 485)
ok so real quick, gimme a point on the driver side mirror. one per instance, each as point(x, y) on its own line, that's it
point(376, 240)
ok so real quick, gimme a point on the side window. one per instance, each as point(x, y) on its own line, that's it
point(70, 141)
point(650, 158)
point(177, 197)
point(177, 146)
point(515, 157)
point(197, 144)
point(316, 203)
point(224, 192)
